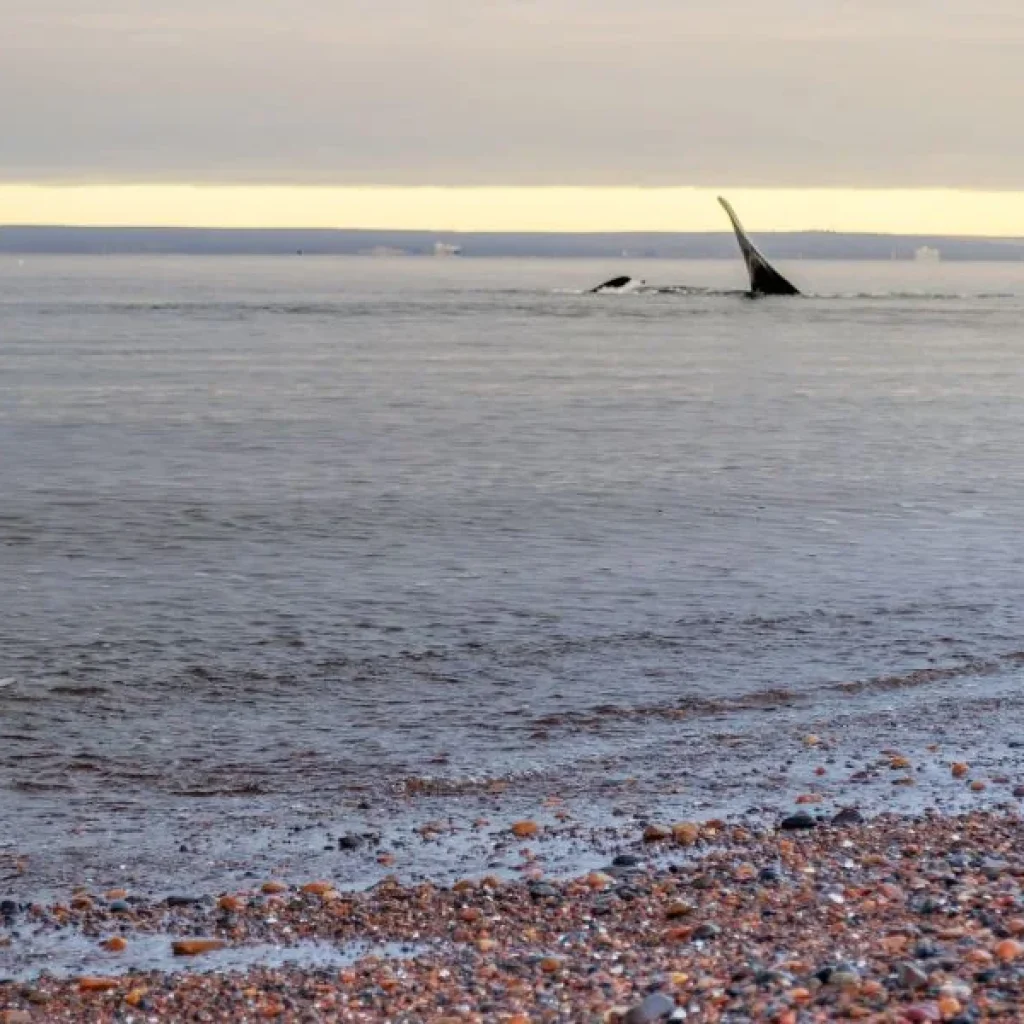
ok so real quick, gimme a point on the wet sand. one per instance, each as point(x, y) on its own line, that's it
point(750, 761)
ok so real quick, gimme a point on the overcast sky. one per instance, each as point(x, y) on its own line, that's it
point(583, 92)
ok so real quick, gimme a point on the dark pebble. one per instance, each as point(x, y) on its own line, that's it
point(911, 976)
point(542, 891)
point(773, 978)
point(992, 867)
point(654, 1008)
point(124, 907)
point(182, 901)
point(619, 871)
point(625, 860)
point(848, 816)
point(349, 842)
point(708, 930)
point(798, 821)
point(8, 908)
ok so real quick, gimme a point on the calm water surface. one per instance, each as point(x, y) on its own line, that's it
point(268, 523)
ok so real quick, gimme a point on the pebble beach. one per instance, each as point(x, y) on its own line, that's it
point(812, 918)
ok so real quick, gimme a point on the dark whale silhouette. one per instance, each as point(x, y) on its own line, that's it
point(616, 284)
point(764, 278)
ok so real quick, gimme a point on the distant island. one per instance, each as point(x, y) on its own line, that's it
point(786, 245)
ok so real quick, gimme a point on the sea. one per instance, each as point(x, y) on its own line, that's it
point(274, 526)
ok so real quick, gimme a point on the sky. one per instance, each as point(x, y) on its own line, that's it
point(589, 114)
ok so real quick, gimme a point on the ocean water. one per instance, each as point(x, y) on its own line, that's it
point(273, 524)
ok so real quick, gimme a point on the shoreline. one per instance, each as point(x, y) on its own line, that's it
point(447, 819)
point(898, 918)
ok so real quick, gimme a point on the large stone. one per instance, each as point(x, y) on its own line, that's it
point(657, 1006)
point(798, 821)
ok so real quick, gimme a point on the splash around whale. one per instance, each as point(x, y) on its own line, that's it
point(764, 278)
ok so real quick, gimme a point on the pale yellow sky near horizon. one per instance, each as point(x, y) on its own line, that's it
point(494, 208)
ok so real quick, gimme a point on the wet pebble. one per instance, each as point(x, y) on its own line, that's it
point(848, 816)
point(796, 822)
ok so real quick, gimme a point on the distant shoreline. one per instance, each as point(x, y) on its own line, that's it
point(808, 245)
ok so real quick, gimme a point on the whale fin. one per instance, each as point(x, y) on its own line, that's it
point(764, 278)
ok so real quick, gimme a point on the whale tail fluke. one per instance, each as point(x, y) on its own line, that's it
point(764, 278)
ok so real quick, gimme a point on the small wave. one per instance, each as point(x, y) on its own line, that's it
point(910, 296)
point(697, 291)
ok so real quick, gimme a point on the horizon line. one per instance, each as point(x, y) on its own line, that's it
point(283, 229)
point(527, 209)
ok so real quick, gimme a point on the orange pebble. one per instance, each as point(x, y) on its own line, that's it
point(116, 894)
point(525, 829)
point(656, 833)
point(193, 947)
point(116, 944)
point(470, 914)
point(959, 769)
point(317, 888)
point(136, 996)
point(549, 965)
point(810, 798)
point(949, 1007)
point(273, 888)
point(96, 984)
point(977, 786)
point(1009, 949)
point(678, 909)
point(231, 904)
point(686, 833)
